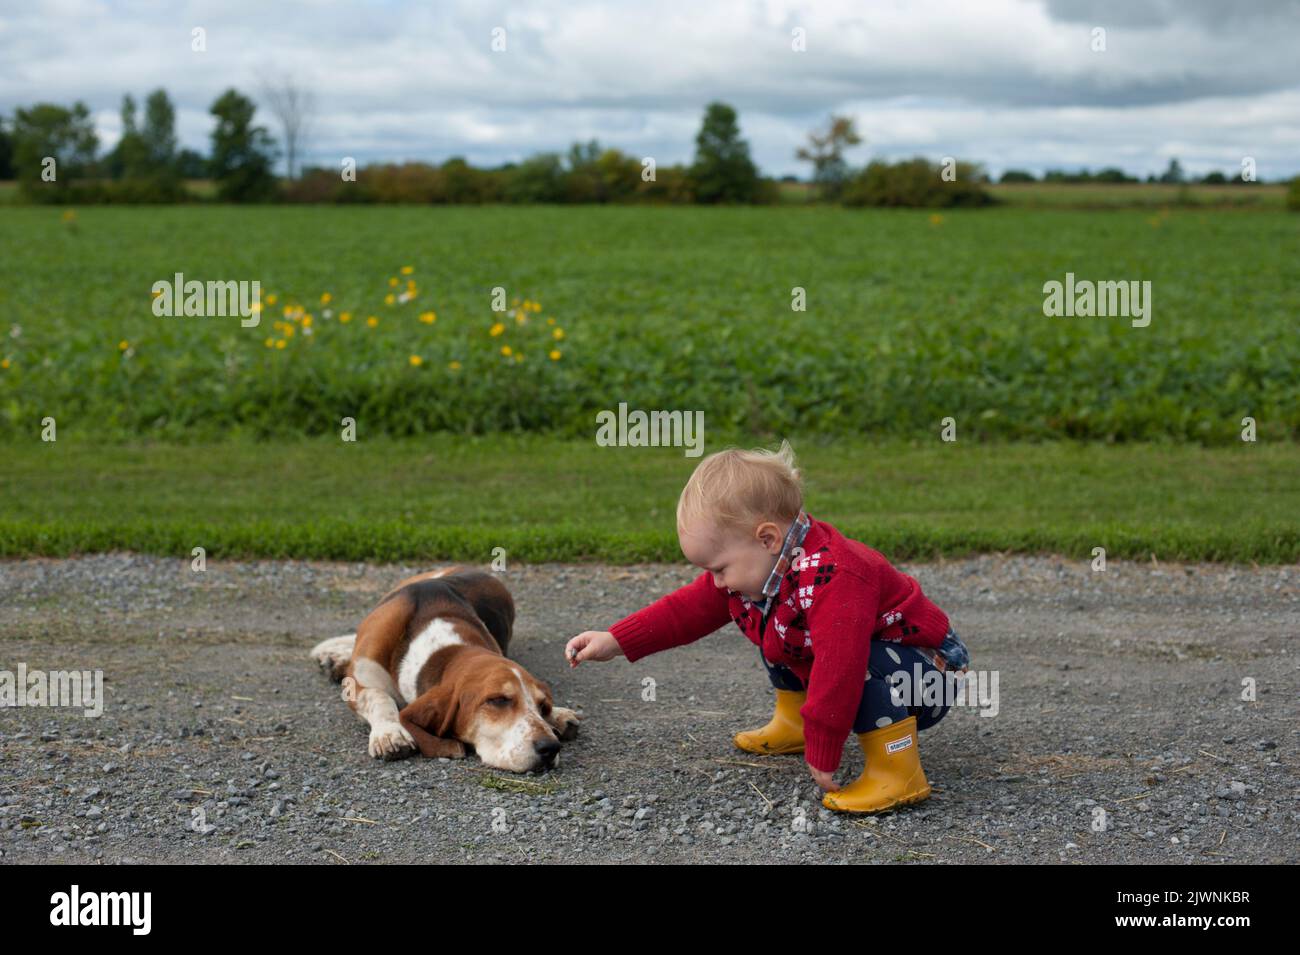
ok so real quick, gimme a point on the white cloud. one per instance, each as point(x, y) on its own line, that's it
point(1008, 82)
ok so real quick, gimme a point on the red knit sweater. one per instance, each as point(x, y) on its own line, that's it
point(831, 602)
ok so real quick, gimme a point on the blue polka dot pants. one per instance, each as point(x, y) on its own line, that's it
point(893, 690)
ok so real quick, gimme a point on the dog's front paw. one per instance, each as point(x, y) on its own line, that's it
point(390, 741)
point(565, 722)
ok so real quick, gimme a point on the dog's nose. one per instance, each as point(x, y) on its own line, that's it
point(546, 748)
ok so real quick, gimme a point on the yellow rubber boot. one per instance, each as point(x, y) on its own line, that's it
point(783, 733)
point(892, 776)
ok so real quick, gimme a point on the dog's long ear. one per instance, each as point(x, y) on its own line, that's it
point(429, 719)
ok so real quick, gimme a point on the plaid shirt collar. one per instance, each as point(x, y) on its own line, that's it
point(793, 538)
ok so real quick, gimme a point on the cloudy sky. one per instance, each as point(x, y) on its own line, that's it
point(1011, 83)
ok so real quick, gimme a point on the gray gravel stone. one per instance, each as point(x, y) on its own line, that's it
point(1122, 735)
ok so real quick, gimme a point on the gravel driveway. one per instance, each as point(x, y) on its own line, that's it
point(1120, 700)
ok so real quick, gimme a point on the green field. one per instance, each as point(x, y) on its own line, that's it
point(475, 428)
point(911, 317)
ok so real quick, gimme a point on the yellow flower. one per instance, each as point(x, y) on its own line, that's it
point(555, 354)
point(306, 322)
point(270, 343)
point(520, 317)
point(537, 306)
point(550, 321)
point(69, 216)
point(345, 317)
point(289, 330)
point(496, 329)
point(936, 219)
point(123, 345)
point(372, 321)
point(428, 318)
point(156, 292)
point(280, 343)
point(390, 298)
point(271, 299)
point(557, 333)
point(519, 356)
point(393, 281)
point(326, 298)
point(256, 307)
point(505, 350)
point(4, 362)
point(454, 365)
point(288, 310)
point(527, 304)
point(417, 361)
point(407, 270)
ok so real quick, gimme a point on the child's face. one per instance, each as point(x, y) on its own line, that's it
point(739, 561)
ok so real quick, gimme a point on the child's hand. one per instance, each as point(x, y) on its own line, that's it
point(825, 780)
point(596, 645)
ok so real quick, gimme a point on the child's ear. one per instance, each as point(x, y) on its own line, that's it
point(429, 719)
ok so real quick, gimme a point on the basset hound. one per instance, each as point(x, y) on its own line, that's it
point(427, 669)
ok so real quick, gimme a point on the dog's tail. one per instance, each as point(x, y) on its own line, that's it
point(334, 655)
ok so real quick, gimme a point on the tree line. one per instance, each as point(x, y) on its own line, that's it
point(53, 152)
point(1173, 175)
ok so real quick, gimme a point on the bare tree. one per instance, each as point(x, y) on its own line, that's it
point(830, 171)
point(294, 107)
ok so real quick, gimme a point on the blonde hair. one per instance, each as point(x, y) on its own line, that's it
point(738, 489)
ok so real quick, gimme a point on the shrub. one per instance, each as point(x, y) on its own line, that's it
point(160, 188)
point(401, 182)
point(539, 178)
point(465, 184)
point(672, 184)
point(918, 183)
point(319, 185)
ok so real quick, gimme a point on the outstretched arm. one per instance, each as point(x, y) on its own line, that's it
point(681, 617)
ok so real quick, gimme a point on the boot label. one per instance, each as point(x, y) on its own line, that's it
point(898, 744)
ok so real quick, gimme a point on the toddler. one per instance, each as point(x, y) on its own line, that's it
point(847, 639)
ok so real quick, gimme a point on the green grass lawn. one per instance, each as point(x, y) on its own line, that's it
point(544, 498)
